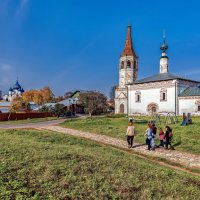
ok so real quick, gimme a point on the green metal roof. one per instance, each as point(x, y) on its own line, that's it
point(190, 91)
point(162, 77)
point(163, 57)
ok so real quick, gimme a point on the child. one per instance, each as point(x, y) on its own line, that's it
point(148, 135)
point(161, 137)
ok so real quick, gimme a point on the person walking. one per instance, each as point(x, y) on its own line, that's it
point(130, 134)
point(168, 137)
point(154, 131)
point(161, 137)
point(148, 135)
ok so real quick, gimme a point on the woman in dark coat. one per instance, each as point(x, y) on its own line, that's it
point(168, 136)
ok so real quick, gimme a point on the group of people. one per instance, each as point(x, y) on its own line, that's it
point(150, 134)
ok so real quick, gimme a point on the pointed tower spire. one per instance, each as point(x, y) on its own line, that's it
point(128, 49)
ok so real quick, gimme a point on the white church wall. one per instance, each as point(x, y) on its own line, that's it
point(188, 105)
point(149, 96)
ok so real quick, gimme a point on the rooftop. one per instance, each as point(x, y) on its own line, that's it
point(162, 77)
point(128, 49)
point(190, 91)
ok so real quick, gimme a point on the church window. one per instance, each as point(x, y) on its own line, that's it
point(122, 65)
point(138, 97)
point(197, 103)
point(163, 95)
point(128, 64)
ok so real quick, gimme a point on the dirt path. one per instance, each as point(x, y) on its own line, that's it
point(170, 157)
point(32, 125)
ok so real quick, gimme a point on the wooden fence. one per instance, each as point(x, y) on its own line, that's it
point(20, 116)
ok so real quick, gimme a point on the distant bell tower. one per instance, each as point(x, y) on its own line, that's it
point(128, 74)
point(128, 63)
point(164, 60)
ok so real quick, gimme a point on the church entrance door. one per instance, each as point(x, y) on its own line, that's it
point(152, 108)
point(121, 108)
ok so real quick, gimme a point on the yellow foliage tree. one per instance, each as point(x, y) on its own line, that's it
point(47, 94)
point(18, 104)
point(28, 95)
point(40, 97)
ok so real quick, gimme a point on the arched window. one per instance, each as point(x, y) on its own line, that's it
point(128, 64)
point(122, 65)
point(137, 96)
point(163, 95)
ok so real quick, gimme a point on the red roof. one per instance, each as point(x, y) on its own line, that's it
point(128, 49)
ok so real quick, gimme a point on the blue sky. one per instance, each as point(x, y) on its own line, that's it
point(76, 44)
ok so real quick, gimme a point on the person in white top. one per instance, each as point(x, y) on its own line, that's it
point(130, 134)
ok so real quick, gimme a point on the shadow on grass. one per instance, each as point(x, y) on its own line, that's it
point(177, 144)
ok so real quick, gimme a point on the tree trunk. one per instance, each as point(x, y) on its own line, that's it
point(9, 116)
point(90, 114)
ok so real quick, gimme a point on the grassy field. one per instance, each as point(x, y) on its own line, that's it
point(26, 121)
point(43, 165)
point(186, 138)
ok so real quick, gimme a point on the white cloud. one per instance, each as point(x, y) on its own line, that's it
point(193, 73)
point(3, 5)
point(5, 67)
point(21, 9)
point(190, 72)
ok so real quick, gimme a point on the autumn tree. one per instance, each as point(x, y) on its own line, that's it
point(40, 97)
point(18, 104)
point(47, 94)
point(28, 95)
point(93, 101)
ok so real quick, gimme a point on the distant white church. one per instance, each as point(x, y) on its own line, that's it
point(16, 90)
point(159, 93)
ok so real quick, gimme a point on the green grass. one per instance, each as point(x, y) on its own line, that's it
point(26, 121)
point(186, 138)
point(46, 165)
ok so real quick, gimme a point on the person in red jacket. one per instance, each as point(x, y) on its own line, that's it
point(161, 137)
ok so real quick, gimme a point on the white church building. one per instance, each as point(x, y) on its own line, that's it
point(159, 93)
point(16, 90)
